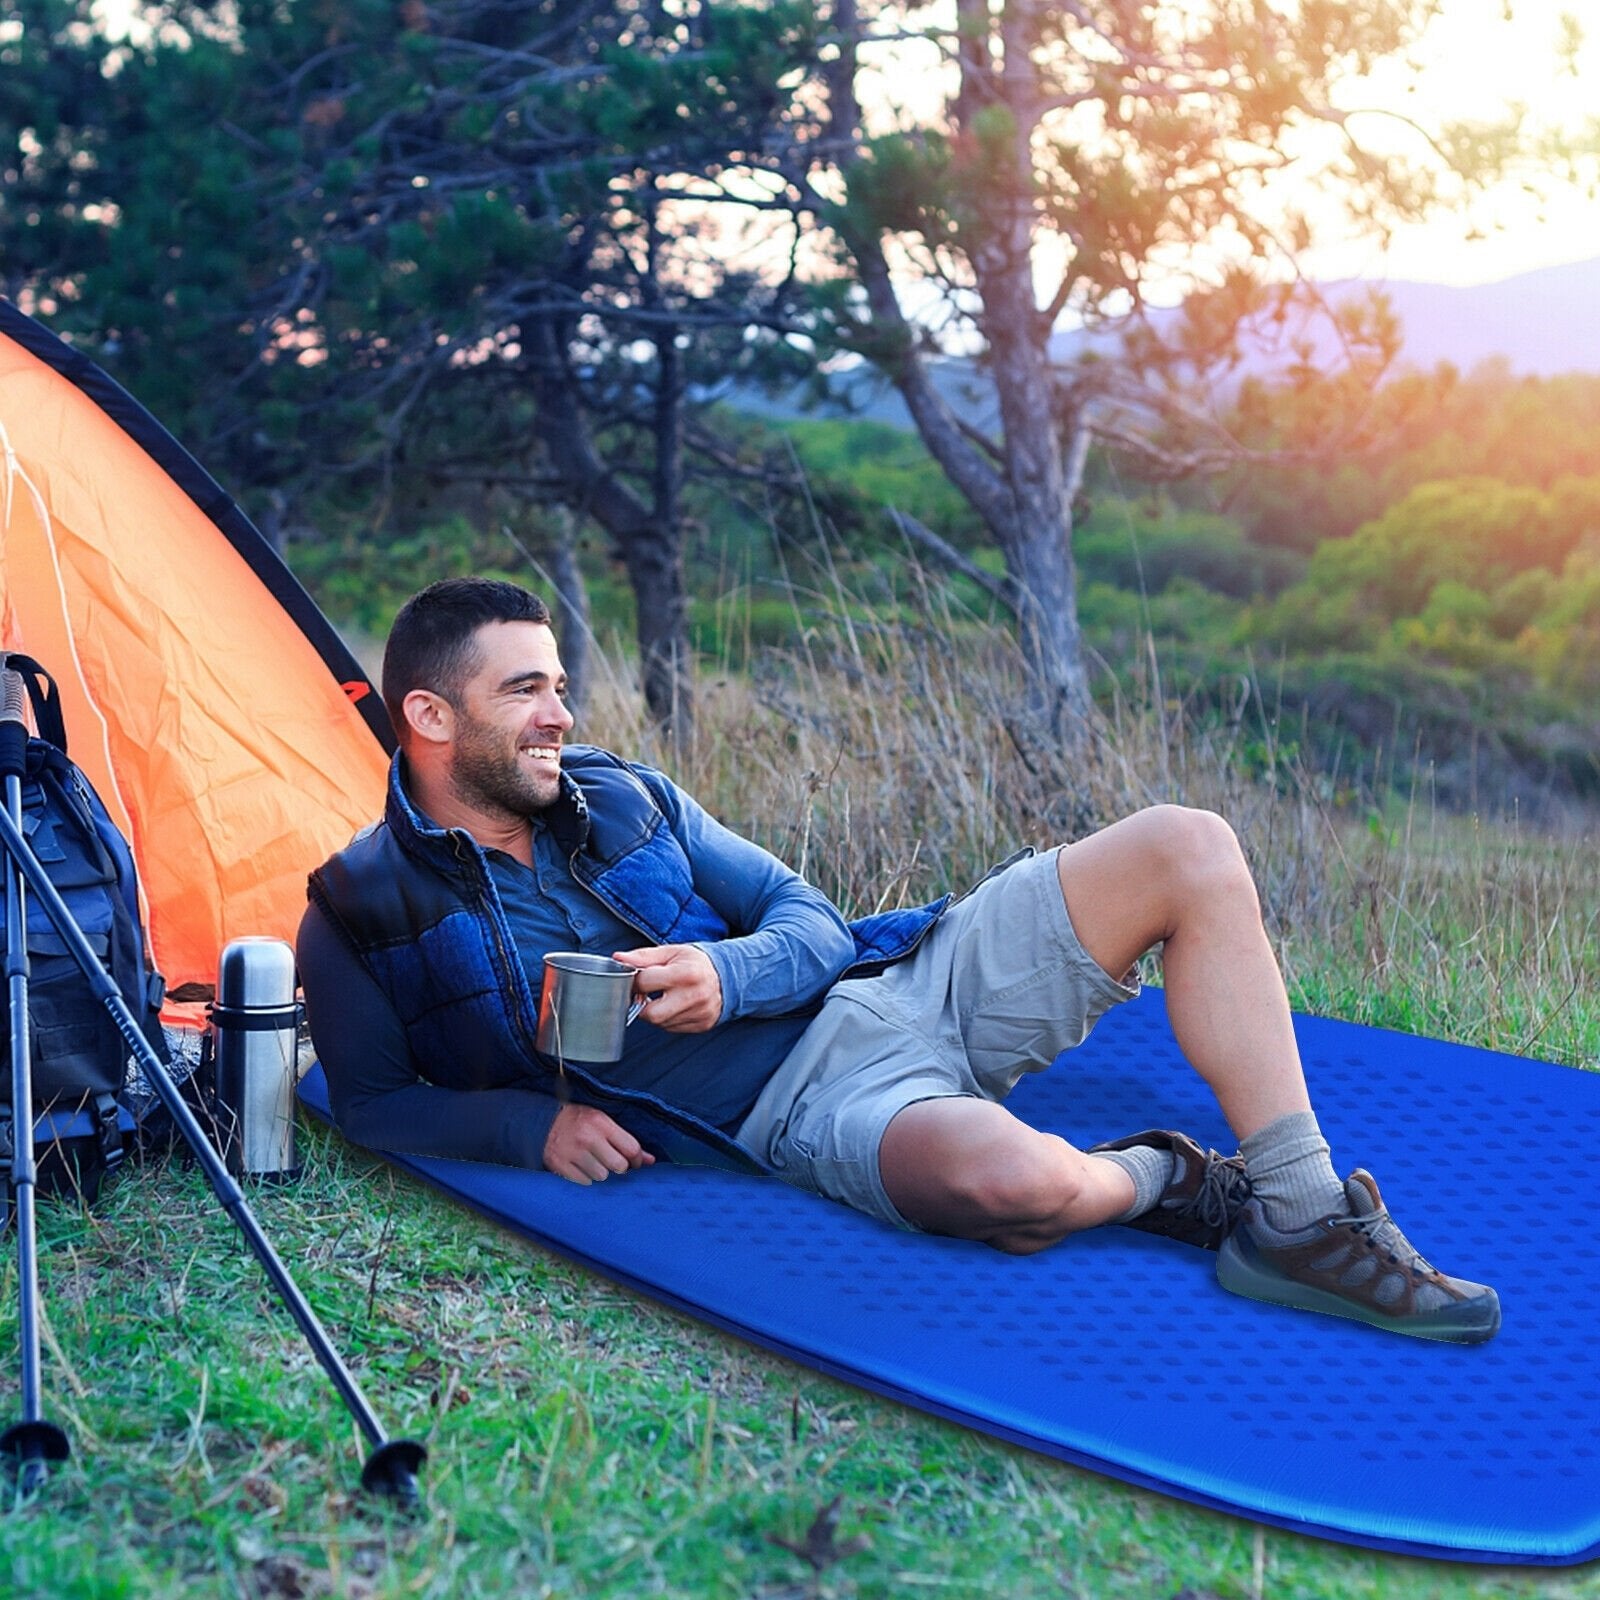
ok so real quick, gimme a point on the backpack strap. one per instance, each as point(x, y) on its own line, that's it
point(43, 694)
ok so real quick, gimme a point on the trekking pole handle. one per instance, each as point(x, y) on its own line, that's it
point(13, 724)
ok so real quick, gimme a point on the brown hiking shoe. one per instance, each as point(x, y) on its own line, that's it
point(1207, 1192)
point(1356, 1264)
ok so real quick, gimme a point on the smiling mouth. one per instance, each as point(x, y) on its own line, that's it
point(541, 752)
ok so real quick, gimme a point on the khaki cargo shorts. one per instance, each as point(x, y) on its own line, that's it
point(999, 987)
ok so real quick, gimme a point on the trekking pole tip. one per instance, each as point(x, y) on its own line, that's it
point(35, 1446)
point(391, 1471)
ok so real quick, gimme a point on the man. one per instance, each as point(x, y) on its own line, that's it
point(868, 1062)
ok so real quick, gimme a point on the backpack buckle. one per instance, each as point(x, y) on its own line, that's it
point(108, 1131)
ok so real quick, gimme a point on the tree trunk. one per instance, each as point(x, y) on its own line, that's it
point(665, 657)
point(572, 595)
point(1039, 560)
point(1036, 534)
point(1021, 489)
point(650, 544)
point(655, 570)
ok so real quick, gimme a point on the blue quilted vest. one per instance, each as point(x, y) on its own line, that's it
point(417, 905)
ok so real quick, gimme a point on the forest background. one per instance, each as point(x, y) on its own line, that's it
point(584, 293)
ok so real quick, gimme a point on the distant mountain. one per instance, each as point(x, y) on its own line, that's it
point(1541, 323)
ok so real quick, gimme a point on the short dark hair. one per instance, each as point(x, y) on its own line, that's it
point(430, 645)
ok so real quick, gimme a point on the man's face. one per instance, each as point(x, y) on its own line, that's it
point(510, 721)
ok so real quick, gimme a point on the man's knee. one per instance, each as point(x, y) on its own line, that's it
point(1200, 854)
point(968, 1168)
point(1028, 1182)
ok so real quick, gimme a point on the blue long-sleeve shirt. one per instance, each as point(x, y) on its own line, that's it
point(787, 946)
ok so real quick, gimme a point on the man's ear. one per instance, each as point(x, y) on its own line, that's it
point(429, 716)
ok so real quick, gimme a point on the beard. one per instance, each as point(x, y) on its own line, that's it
point(489, 774)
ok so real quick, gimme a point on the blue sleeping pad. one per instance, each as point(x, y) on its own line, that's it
point(1119, 1352)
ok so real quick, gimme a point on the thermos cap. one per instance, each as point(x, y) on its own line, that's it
point(255, 971)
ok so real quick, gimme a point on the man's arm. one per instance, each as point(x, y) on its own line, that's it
point(379, 1101)
point(789, 941)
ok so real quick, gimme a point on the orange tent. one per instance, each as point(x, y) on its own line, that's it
point(233, 737)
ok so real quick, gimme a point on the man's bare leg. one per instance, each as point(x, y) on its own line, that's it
point(1177, 878)
point(968, 1167)
point(1167, 876)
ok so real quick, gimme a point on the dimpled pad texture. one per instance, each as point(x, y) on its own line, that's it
point(1118, 1351)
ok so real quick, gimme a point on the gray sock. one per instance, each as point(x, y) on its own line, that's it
point(1293, 1178)
point(1151, 1170)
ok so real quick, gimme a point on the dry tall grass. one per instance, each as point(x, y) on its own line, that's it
point(889, 762)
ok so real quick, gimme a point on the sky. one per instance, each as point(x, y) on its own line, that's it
point(1475, 63)
point(1472, 64)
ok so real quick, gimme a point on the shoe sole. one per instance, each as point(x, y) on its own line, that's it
point(1195, 1235)
point(1243, 1270)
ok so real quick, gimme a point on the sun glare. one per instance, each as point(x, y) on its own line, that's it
point(1483, 60)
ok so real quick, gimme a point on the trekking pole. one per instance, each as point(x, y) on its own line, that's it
point(33, 1443)
point(392, 1466)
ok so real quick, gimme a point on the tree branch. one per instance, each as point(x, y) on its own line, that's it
point(1004, 590)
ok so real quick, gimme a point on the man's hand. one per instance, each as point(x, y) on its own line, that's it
point(585, 1146)
point(685, 993)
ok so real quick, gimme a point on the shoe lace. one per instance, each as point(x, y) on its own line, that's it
point(1383, 1233)
point(1224, 1188)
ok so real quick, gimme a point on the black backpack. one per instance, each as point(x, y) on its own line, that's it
point(79, 1059)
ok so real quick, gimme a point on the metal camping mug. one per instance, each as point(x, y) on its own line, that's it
point(585, 1006)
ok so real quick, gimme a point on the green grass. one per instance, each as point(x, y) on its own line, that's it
point(585, 1442)
point(1454, 929)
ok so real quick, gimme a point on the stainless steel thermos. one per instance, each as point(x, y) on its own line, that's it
point(255, 1022)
